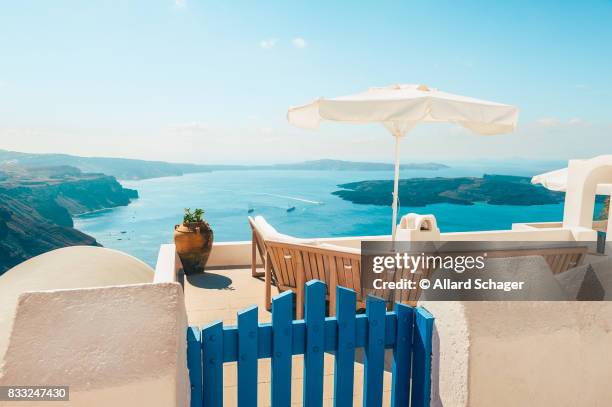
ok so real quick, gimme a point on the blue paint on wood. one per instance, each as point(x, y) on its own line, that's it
point(361, 330)
point(402, 356)
point(344, 364)
point(374, 361)
point(282, 315)
point(194, 364)
point(264, 346)
point(230, 343)
point(421, 359)
point(407, 330)
point(212, 363)
point(299, 337)
point(264, 336)
point(331, 334)
point(390, 329)
point(315, 343)
point(247, 357)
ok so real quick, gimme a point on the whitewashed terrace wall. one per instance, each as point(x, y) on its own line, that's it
point(238, 254)
point(521, 353)
point(114, 346)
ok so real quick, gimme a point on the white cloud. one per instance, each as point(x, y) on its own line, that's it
point(266, 131)
point(553, 122)
point(575, 121)
point(268, 44)
point(299, 42)
point(548, 122)
point(191, 127)
point(180, 3)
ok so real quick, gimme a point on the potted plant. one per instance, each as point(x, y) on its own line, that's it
point(193, 240)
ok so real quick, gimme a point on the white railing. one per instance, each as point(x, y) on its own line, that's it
point(168, 267)
point(238, 253)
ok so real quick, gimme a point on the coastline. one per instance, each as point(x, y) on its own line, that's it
point(227, 195)
point(37, 212)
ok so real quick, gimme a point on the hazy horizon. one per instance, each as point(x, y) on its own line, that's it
point(409, 160)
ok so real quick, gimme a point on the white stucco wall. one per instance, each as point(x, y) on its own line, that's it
point(583, 178)
point(521, 353)
point(114, 346)
point(70, 267)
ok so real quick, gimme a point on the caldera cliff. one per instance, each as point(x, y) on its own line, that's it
point(37, 205)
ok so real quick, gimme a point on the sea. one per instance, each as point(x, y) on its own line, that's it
point(228, 196)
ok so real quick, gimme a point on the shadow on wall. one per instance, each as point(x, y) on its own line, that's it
point(210, 281)
point(436, 401)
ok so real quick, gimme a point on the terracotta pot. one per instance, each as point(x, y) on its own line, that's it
point(193, 243)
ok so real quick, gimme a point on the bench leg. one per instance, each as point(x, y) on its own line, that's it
point(299, 301)
point(253, 256)
point(268, 271)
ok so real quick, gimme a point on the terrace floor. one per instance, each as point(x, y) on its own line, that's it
point(219, 295)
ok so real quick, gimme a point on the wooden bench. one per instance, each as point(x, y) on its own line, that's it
point(290, 265)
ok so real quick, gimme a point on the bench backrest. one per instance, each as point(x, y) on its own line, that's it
point(257, 238)
point(294, 264)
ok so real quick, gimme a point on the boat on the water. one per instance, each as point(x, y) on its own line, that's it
point(291, 209)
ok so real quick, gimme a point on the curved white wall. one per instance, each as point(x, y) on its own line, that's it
point(521, 353)
point(70, 267)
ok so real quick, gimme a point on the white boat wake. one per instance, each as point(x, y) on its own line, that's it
point(293, 198)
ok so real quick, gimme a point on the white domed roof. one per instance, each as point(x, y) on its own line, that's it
point(69, 267)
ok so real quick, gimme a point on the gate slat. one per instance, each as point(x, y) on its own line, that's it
point(282, 316)
point(374, 352)
point(344, 368)
point(402, 355)
point(212, 362)
point(247, 357)
point(361, 330)
point(315, 342)
point(421, 365)
point(194, 364)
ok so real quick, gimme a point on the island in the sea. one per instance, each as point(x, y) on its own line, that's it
point(491, 189)
point(37, 205)
point(40, 193)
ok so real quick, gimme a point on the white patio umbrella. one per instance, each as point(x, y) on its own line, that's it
point(400, 107)
point(557, 181)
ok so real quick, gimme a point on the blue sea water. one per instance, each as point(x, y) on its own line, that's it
point(141, 227)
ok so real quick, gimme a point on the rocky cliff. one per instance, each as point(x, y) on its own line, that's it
point(37, 205)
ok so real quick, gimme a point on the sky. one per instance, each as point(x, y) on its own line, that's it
point(211, 82)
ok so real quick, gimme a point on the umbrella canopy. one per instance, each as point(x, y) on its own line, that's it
point(557, 181)
point(400, 107)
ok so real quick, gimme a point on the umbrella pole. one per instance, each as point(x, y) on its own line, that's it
point(395, 186)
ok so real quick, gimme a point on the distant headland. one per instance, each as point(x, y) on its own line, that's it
point(133, 169)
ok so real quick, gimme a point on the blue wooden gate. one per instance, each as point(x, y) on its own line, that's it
point(406, 330)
